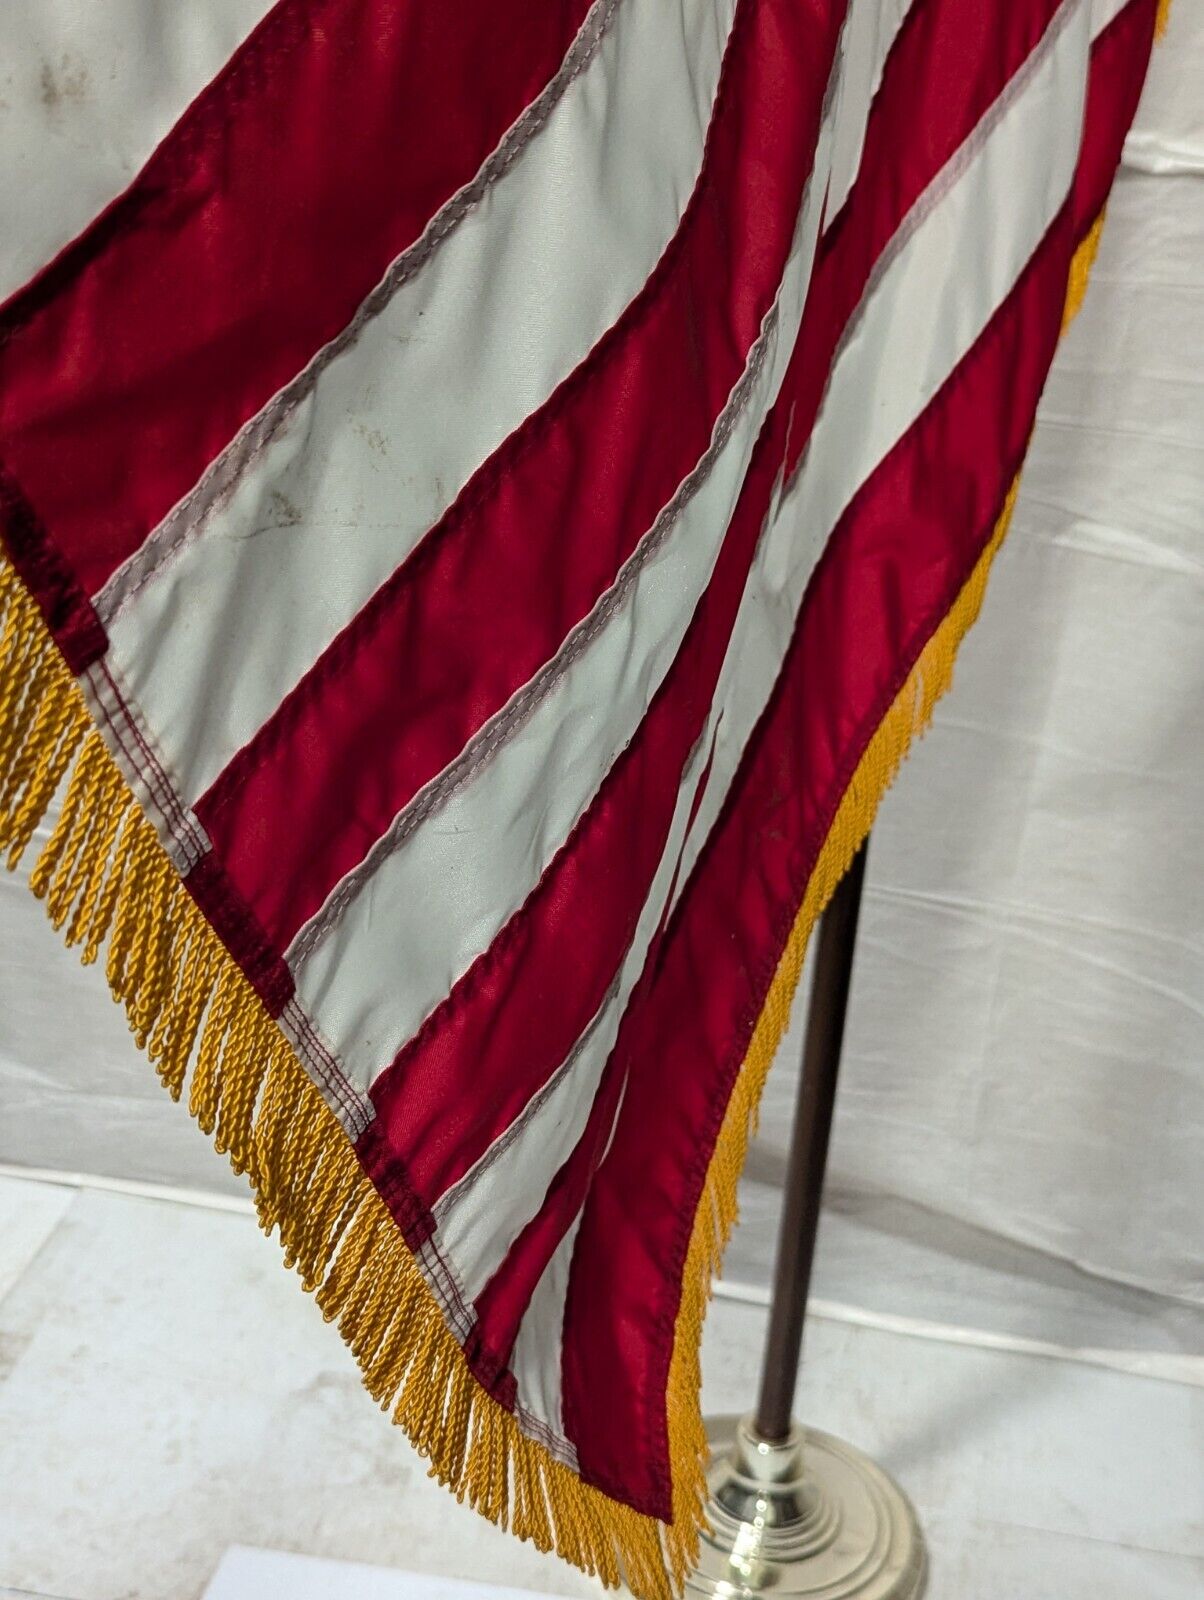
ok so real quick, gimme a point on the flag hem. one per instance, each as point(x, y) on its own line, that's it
point(108, 881)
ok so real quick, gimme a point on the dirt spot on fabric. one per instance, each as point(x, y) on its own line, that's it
point(68, 83)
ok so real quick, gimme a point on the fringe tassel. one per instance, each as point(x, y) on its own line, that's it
point(1080, 270)
point(907, 718)
point(107, 883)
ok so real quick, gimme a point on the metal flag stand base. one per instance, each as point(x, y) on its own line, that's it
point(806, 1516)
point(792, 1511)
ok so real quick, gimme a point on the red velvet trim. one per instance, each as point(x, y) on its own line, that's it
point(248, 241)
point(392, 1180)
point(473, 614)
point(66, 608)
point(235, 925)
point(492, 1374)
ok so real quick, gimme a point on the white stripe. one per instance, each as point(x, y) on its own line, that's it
point(1103, 12)
point(495, 833)
point(536, 1358)
point(467, 347)
point(870, 35)
point(967, 242)
point(906, 330)
point(871, 31)
point(480, 1217)
point(88, 92)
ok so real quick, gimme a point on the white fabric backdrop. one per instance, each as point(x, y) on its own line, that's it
point(1020, 1138)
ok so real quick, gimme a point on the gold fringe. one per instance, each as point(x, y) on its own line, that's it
point(1080, 270)
point(908, 717)
point(107, 882)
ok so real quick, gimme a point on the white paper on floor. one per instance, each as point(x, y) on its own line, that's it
point(246, 1574)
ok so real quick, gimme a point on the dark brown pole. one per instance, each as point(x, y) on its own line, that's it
point(809, 1152)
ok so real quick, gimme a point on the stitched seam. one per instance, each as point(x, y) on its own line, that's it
point(464, 1185)
point(118, 728)
point(927, 201)
point(450, 1288)
point(279, 32)
point(464, 992)
point(187, 520)
point(447, 1203)
point(493, 473)
point(666, 1325)
point(916, 9)
point(536, 1428)
point(323, 1065)
point(155, 775)
point(482, 747)
point(130, 744)
point(319, 1063)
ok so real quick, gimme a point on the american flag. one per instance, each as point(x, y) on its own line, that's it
point(505, 482)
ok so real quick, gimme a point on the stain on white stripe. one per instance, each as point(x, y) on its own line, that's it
point(88, 92)
point(469, 345)
point(371, 982)
point(954, 260)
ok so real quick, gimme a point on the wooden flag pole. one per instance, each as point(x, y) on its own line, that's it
point(808, 1156)
point(793, 1512)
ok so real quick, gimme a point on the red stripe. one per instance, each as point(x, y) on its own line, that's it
point(472, 615)
point(903, 551)
point(502, 1303)
point(516, 1014)
point(750, 880)
point(67, 611)
point(514, 1017)
point(247, 242)
point(507, 1026)
point(947, 67)
point(1118, 62)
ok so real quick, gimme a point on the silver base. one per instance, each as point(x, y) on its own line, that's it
point(809, 1517)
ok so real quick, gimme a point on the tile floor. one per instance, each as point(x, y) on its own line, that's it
point(165, 1392)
